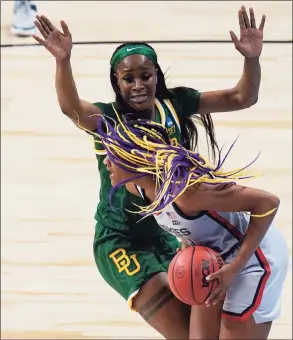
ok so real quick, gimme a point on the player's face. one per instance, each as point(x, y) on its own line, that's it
point(137, 81)
point(117, 174)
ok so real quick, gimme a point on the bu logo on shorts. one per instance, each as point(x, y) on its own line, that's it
point(123, 261)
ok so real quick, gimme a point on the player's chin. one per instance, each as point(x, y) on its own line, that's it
point(142, 107)
point(113, 180)
point(145, 105)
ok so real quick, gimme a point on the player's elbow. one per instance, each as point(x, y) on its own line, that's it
point(249, 102)
point(76, 115)
point(67, 111)
point(268, 203)
point(64, 111)
point(245, 102)
point(273, 201)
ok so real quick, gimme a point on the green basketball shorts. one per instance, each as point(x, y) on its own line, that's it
point(127, 262)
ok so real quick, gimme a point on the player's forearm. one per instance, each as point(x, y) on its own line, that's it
point(257, 228)
point(67, 94)
point(248, 86)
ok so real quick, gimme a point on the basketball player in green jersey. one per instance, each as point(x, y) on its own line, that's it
point(133, 258)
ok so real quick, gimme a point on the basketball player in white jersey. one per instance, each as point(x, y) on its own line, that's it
point(202, 205)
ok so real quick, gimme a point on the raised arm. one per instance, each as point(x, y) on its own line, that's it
point(245, 92)
point(60, 45)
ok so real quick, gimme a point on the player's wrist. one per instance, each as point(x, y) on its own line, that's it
point(239, 263)
point(64, 61)
point(252, 60)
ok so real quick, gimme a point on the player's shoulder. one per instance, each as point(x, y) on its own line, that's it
point(182, 91)
point(185, 100)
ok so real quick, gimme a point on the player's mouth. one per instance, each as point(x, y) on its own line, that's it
point(138, 99)
point(111, 175)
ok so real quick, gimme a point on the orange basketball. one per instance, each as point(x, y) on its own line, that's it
point(188, 271)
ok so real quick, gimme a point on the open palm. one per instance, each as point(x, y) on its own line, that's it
point(57, 43)
point(251, 38)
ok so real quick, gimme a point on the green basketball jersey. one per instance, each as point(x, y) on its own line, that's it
point(169, 113)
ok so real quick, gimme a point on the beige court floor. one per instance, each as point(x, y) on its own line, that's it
point(50, 287)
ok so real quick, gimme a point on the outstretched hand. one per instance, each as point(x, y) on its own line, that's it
point(57, 43)
point(251, 38)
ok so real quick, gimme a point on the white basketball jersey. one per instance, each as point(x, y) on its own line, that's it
point(221, 231)
point(257, 289)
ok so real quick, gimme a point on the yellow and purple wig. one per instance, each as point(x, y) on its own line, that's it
point(143, 147)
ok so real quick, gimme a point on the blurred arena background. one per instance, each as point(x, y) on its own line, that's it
point(51, 287)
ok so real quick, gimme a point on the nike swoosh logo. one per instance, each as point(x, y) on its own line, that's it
point(130, 49)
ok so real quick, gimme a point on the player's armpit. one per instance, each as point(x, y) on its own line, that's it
point(86, 118)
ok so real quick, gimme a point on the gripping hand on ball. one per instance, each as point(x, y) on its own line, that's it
point(184, 244)
point(225, 277)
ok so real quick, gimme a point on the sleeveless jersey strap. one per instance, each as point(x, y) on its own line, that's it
point(161, 111)
point(173, 112)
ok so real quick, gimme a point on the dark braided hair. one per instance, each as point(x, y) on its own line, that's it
point(188, 127)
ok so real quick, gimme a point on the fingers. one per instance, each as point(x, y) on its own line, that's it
point(44, 24)
point(215, 275)
point(234, 39)
point(216, 299)
point(245, 17)
point(241, 20)
point(252, 18)
point(211, 277)
point(39, 40)
point(211, 300)
point(65, 28)
point(49, 25)
point(41, 29)
point(262, 23)
point(244, 21)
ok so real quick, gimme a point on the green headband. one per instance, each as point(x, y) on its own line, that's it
point(132, 49)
